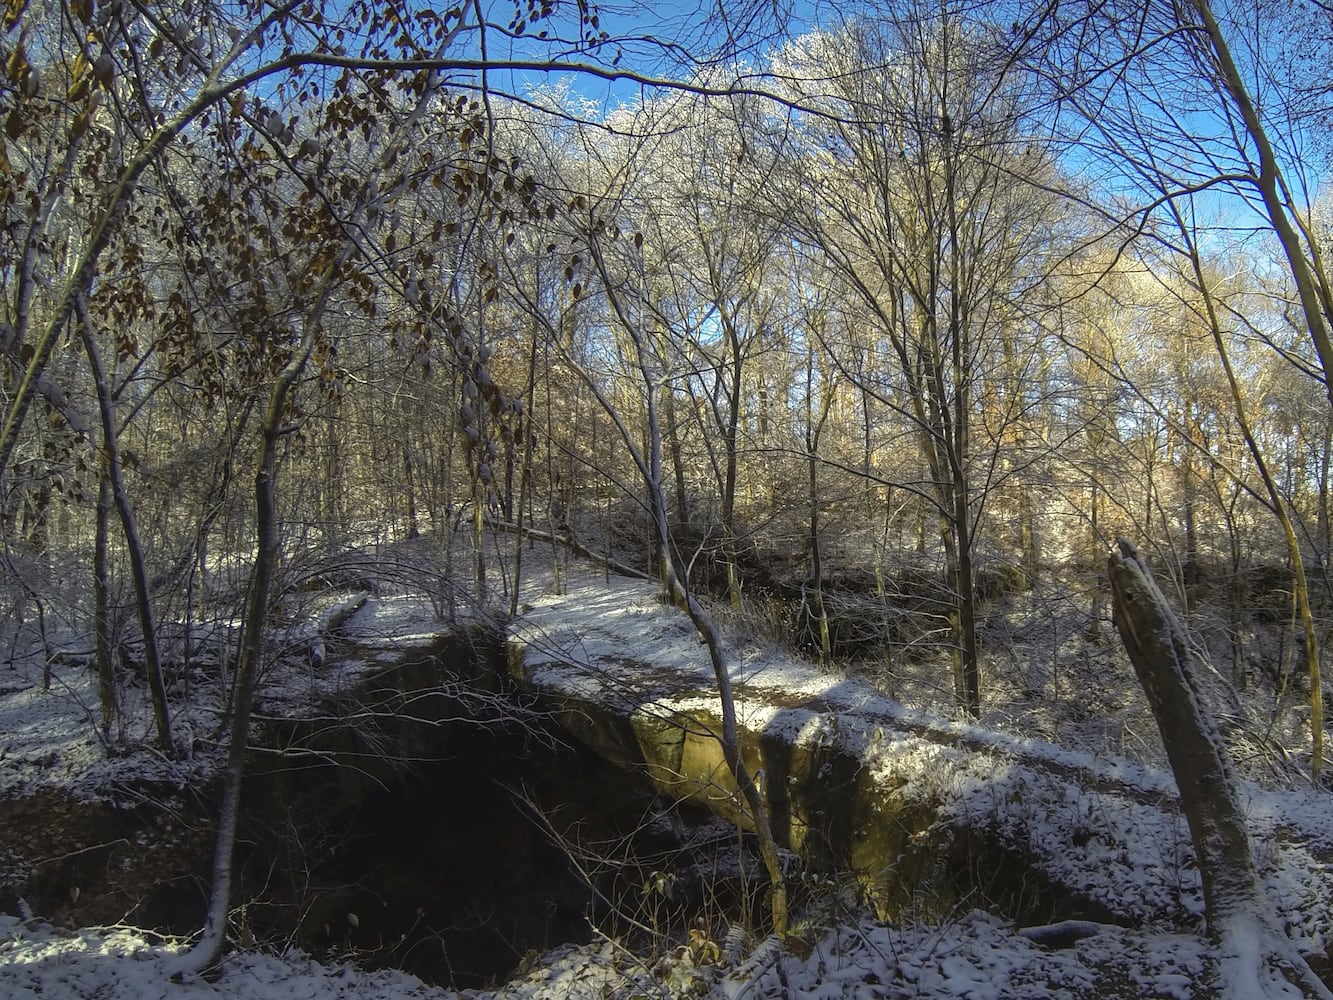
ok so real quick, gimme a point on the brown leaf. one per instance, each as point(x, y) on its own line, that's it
point(79, 127)
point(13, 11)
point(17, 65)
point(80, 68)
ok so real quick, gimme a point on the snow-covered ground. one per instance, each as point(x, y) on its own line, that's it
point(1097, 821)
point(974, 957)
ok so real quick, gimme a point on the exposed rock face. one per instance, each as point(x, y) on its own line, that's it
point(831, 800)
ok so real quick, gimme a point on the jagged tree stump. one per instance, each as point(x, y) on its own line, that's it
point(1256, 959)
point(1156, 643)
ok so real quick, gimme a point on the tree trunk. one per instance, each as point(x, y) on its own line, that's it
point(106, 681)
point(649, 465)
point(813, 430)
point(1027, 537)
point(1300, 587)
point(413, 527)
point(1235, 596)
point(36, 526)
point(677, 458)
point(138, 568)
point(555, 521)
point(1312, 284)
point(729, 738)
point(523, 431)
point(730, 436)
point(207, 950)
point(1190, 570)
point(479, 536)
point(956, 533)
point(817, 570)
point(1325, 522)
point(332, 487)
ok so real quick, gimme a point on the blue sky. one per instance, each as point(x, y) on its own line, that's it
point(656, 40)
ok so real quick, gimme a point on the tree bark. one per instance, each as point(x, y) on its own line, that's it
point(207, 950)
point(964, 582)
point(677, 457)
point(524, 432)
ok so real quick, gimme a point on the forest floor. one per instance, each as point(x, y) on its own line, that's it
point(1108, 822)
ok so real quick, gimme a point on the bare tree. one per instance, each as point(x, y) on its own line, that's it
point(922, 216)
point(1165, 103)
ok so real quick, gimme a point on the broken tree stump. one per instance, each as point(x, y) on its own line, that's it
point(1255, 957)
point(1157, 646)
